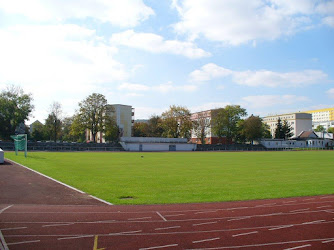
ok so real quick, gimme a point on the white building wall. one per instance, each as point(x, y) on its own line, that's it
point(156, 147)
point(2, 156)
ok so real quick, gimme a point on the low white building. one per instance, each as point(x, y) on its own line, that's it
point(298, 121)
point(323, 117)
point(150, 144)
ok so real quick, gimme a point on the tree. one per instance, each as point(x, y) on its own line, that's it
point(53, 123)
point(140, 129)
point(92, 112)
point(330, 130)
point(15, 108)
point(78, 129)
point(320, 128)
point(38, 131)
point(224, 121)
point(112, 131)
point(155, 128)
point(176, 122)
point(286, 129)
point(279, 134)
point(201, 124)
point(66, 129)
point(252, 128)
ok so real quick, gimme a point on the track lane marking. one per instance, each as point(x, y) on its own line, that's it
point(125, 233)
point(12, 228)
point(242, 234)
point(291, 248)
point(172, 215)
point(165, 228)
point(312, 222)
point(160, 215)
point(212, 239)
point(142, 218)
point(3, 243)
point(240, 218)
point(325, 206)
point(157, 247)
point(23, 242)
point(4, 209)
point(209, 211)
point(299, 210)
point(56, 225)
point(76, 237)
point(205, 223)
point(281, 227)
point(327, 241)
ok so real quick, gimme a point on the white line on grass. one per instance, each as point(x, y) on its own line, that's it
point(198, 241)
point(59, 182)
point(160, 215)
point(2, 210)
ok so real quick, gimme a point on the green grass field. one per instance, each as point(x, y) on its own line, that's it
point(188, 177)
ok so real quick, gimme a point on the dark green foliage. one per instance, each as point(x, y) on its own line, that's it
point(176, 122)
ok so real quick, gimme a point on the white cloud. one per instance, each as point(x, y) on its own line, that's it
point(329, 21)
point(236, 22)
point(156, 44)
point(259, 78)
point(261, 101)
point(208, 106)
point(133, 87)
point(125, 13)
point(170, 87)
point(147, 112)
point(330, 93)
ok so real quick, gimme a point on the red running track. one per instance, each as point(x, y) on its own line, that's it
point(293, 223)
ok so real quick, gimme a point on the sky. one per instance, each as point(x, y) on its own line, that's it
point(269, 56)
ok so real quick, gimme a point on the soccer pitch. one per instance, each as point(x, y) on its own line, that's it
point(158, 178)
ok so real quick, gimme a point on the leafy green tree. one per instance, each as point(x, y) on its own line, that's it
point(15, 108)
point(224, 121)
point(155, 128)
point(176, 122)
point(78, 129)
point(252, 128)
point(66, 129)
point(201, 125)
point(140, 129)
point(112, 131)
point(330, 130)
point(53, 123)
point(320, 128)
point(38, 132)
point(92, 112)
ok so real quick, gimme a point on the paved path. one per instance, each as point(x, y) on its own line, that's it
point(81, 222)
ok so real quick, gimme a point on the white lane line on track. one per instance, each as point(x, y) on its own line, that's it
point(325, 206)
point(59, 182)
point(75, 237)
point(286, 202)
point(56, 225)
point(312, 222)
point(299, 210)
point(127, 232)
point(327, 241)
point(160, 215)
point(264, 215)
point(281, 227)
point(2, 210)
point(12, 228)
point(204, 212)
point(23, 242)
point(235, 208)
point(173, 215)
point(199, 241)
point(142, 218)
point(265, 205)
point(291, 248)
point(326, 197)
point(265, 244)
point(309, 199)
point(240, 218)
point(237, 235)
point(165, 228)
point(205, 223)
point(157, 247)
point(3, 243)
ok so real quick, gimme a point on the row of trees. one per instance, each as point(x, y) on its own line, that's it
point(225, 122)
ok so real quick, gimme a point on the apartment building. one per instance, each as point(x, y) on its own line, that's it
point(298, 121)
point(324, 117)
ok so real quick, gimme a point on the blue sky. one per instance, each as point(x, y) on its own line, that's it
point(269, 56)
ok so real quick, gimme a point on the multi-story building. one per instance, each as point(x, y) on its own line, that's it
point(324, 117)
point(124, 117)
point(298, 121)
point(203, 119)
